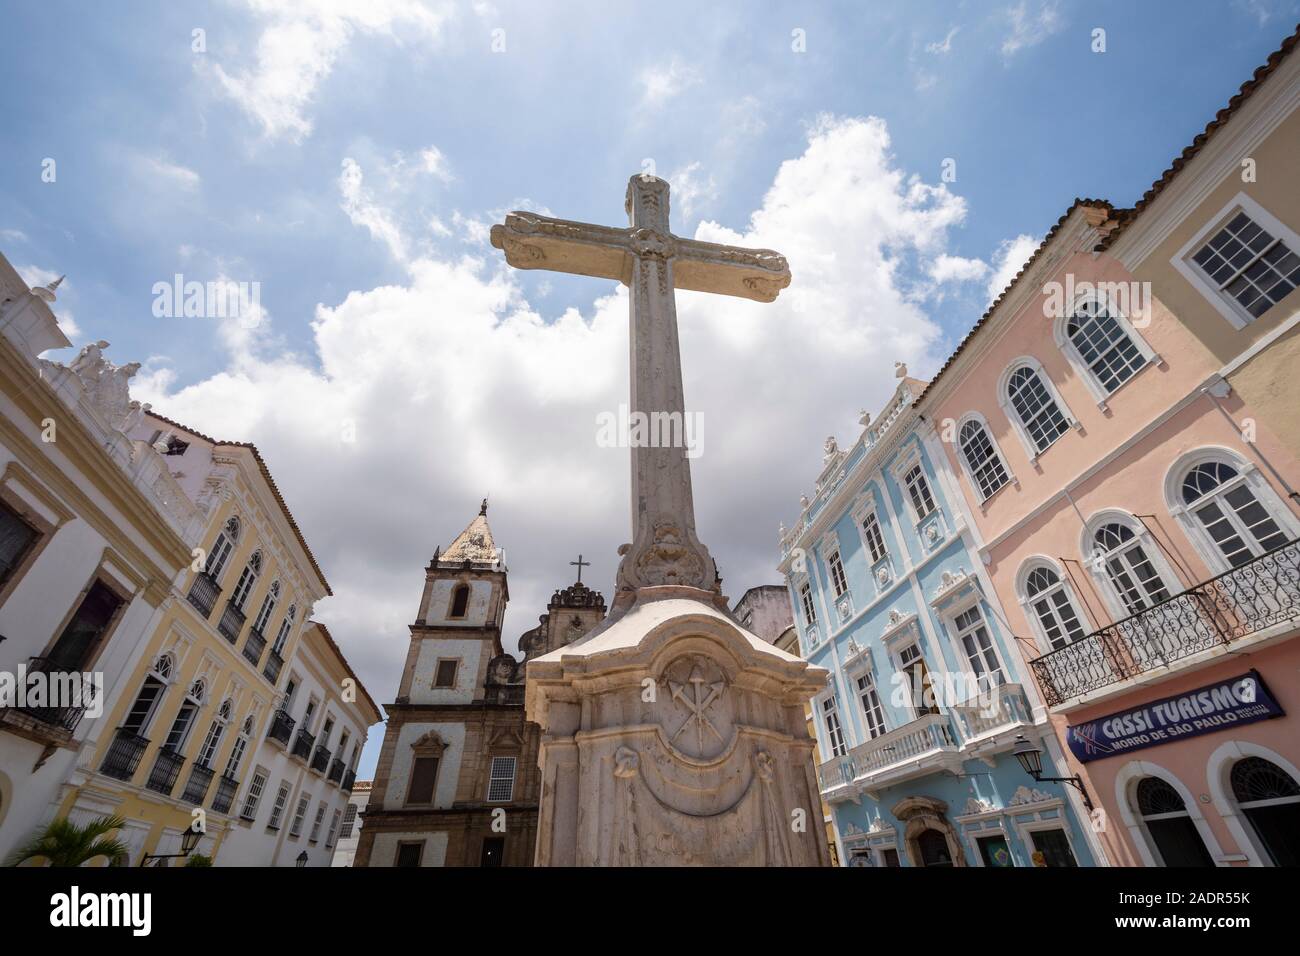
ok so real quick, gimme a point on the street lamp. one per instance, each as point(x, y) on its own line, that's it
point(1031, 760)
point(302, 859)
point(189, 840)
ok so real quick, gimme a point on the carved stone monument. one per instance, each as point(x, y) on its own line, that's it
point(670, 734)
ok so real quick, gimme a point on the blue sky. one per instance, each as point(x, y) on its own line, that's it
point(349, 159)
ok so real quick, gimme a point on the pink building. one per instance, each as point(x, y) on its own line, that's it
point(1136, 511)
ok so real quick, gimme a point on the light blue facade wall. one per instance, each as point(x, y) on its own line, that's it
point(931, 572)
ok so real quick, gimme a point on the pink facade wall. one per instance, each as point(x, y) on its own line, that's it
point(1051, 523)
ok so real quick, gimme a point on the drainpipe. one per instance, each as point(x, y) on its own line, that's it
point(1220, 389)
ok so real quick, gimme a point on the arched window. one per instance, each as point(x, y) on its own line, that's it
point(237, 752)
point(247, 580)
point(1170, 826)
point(285, 626)
point(164, 666)
point(1270, 800)
point(183, 723)
point(1051, 602)
point(1131, 572)
point(1103, 344)
point(459, 601)
point(268, 606)
point(987, 473)
point(1039, 414)
point(221, 549)
point(1221, 498)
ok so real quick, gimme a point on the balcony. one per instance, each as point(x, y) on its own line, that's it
point(253, 646)
point(124, 754)
point(923, 746)
point(996, 712)
point(55, 715)
point(196, 789)
point(349, 779)
point(336, 771)
point(166, 769)
point(231, 623)
point(320, 760)
point(281, 727)
point(204, 593)
point(1261, 594)
point(273, 664)
point(302, 744)
point(225, 795)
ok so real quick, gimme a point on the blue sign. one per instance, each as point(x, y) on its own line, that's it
point(1219, 706)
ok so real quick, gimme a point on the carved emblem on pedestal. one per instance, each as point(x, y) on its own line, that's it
point(697, 723)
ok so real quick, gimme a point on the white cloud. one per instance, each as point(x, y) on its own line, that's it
point(943, 46)
point(691, 188)
point(13, 235)
point(1031, 22)
point(659, 84)
point(946, 268)
point(1010, 258)
point(434, 163)
point(169, 172)
point(299, 43)
point(459, 388)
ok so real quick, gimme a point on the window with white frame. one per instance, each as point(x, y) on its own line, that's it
point(806, 601)
point(838, 581)
point(986, 469)
point(1105, 347)
point(144, 706)
point(977, 643)
point(268, 608)
point(316, 823)
point(834, 733)
point(277, 809)
point(283, 634)
point(334, 828)
point(919, 689)
point(254, 796)
point(501, 780)
point(918, 491)
point(213, 740)
point(1218, 494)
point(1053, 607)
point(1132, 573)
point(183, 722)
point(349, 821)
point(221, 548)
point(238, 750)
point(875, 540)
point(873, 714)
point(1035, 408)
point(1248, 263)
point(299, 815)
point(246, 581)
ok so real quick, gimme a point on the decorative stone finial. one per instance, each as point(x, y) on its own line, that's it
point(483, 507)
point(46, 293)
point(900, 370)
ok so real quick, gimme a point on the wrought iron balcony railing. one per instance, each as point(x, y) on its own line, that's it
point(320, 760)
point(68, 692)
point(225, 795)
point(302, 744)
point(281, 728)
point(336, 771)
point(1259, 594)
point(349, 779)
point(232, 622)
point(196, 789)
point(204, 593)
point(124, 754)
point(254, 646)
point(166, 769)
point(273, 664)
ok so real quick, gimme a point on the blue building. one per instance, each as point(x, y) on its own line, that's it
point(927, 694)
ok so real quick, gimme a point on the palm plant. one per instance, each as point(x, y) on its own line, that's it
point(64, 843)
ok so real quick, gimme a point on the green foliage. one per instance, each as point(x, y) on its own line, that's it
point(64, 843)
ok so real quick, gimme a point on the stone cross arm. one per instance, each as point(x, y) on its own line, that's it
point(531, 241)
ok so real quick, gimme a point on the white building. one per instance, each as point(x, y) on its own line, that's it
point(350, 834)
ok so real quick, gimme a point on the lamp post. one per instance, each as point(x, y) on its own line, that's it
point(1031, 760)
point(301, 861)
point(189, 840)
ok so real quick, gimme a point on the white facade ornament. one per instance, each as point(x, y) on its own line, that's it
point(882, 576)
point(900, 370)
point(1026, 795)
point(864, 418)
point(803, 502)
point(975, 805)
point(830, 449)
point(932, 532)
point(949, 580)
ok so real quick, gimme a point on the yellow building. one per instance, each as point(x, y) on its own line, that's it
point(187, 719)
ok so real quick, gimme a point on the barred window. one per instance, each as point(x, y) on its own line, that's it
point(349, 821)
point(982, 458)
point(1250, 265)
point(501, 780)
point(1109, 352)
point(1036, 408)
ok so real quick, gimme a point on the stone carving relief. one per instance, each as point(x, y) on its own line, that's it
point(1025, 795)
point(697, 721)
point(669, 557)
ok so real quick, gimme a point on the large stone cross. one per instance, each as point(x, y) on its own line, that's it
point(652, 263)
